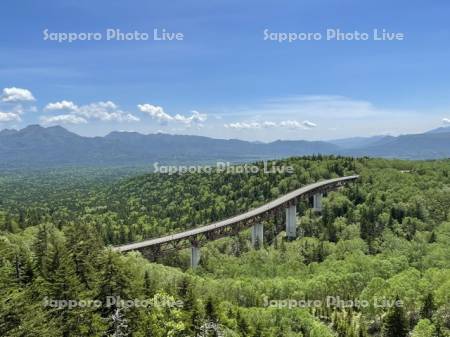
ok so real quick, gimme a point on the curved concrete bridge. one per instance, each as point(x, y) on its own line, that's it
point(253, 218)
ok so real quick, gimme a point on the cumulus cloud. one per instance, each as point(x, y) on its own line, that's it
point(62, 119)
point(6, 117)
point(268, 124)
point(158, 113)
point(308, 124)
point(103, 111)
point(16, 102)
point(243, 125)
point(446, 121)
point(155, 112)
point(289, 124)
point(16, 95)
point(63, 105)
point(196, 117)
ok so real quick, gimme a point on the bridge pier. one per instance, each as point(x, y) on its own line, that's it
point(317, 202)
point(152, 248)
point(291, 222)
point(257, 235)
point(195, 256)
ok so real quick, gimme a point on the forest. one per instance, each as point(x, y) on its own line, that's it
point(375, 261)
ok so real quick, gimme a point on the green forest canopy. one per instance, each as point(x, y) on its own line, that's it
point(382, 239)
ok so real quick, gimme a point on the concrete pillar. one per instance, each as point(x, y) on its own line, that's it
point(195, 256)
point(257, 235)
point(291, 222)
point(317, 202)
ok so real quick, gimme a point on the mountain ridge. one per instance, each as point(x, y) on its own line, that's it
point(37, 146)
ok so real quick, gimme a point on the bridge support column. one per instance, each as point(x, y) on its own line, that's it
point(317, 202)
point(291, 222)
point(195, 256)
point(257, 235)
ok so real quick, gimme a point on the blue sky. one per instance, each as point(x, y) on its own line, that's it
point(223, 79)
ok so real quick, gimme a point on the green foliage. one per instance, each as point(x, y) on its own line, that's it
point(395, 324)
point(384, 237)
point(424, 329)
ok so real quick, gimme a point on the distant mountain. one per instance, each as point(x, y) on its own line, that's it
point(39, 147)
point(358, 142)
point(417, 146)
point(443, 129)
point(36, 146)
point(5, 132)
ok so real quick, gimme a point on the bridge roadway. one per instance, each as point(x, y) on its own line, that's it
point(307, 190)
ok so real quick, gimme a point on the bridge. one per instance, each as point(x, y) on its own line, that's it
point(254, 218)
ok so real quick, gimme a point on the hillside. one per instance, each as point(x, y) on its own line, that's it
point(38, 147)
point(35, 146)
point(420, 146)
point(380, 240)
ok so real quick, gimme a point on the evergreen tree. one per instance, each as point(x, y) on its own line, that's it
point(21, 221)
point(149, 287)
point(41, 246)
point(65, 286)
point(9, 225)
point(85, 247)
point(115, 284)
point(433, 237)
point(210, 310)
point(428, 307)
point(395, 323)
point(196, 321)
point(258, 330)
point(242, 324)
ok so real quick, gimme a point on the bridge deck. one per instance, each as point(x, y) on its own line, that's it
point(236, 219)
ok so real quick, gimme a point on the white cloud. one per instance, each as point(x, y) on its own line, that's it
point(62, 119)
point(63, 105)
point(196, 117)
point(155, 112)
point(243, 125)
point(18, 109)
point(308, 124)
point(15, 95)
point(103, 111)
point(446, 120)
point(268, 124)
point(289, 124)
point(9, 117)
point(158, 113)
point(15, 101)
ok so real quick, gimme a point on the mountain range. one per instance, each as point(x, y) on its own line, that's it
point(39, 147)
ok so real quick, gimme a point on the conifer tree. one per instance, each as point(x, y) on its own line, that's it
point(148, 290)
point(210, 311)
point(114, 282)
point(65, 286)
point(428, 307)
point(41, 250)
point(85, 246)
point(242, 324)
point(395, 323)
point(196, 321)
point(21, 221)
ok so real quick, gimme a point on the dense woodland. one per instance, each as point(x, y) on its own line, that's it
point(381, 240)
